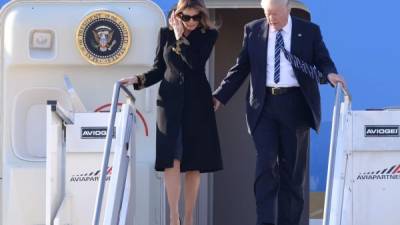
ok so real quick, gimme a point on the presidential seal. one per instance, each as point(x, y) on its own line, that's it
point(103, 38)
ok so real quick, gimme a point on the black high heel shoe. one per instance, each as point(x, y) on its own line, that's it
point(180, 221)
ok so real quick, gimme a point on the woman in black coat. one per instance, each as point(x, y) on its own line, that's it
point(187, 138)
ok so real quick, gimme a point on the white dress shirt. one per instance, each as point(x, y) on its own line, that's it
point(287, 77)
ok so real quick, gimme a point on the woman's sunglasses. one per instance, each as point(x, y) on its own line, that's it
point(186, 18)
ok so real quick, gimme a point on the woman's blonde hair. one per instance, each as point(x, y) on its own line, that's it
point(205, 22)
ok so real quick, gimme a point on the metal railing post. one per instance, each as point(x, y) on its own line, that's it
point(333, 147)
point(107, 148)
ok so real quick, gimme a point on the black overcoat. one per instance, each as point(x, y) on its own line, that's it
point(184, 101)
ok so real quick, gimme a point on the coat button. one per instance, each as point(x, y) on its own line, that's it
point(181, 80)
point(255, 103)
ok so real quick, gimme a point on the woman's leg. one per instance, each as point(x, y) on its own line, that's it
point(192, 183)
point(173, 186)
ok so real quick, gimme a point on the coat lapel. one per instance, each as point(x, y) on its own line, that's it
point(296, 38)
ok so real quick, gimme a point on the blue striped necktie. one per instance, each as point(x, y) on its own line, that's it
point(296, 62)
point(277, 67)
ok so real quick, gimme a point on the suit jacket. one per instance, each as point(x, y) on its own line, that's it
point(306, 43)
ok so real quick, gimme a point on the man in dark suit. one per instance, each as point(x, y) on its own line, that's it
point(287, 59)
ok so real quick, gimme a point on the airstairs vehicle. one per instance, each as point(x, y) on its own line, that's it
point(364, 165)
point(74, 144)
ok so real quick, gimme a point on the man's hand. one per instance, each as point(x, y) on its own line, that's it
point(336, 78)
point(217, 104)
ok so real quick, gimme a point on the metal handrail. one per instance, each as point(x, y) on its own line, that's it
point(333, 145)
point(107, 148)
point(66, 116)
point(345, 91)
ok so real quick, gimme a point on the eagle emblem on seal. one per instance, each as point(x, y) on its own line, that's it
point(103, 36)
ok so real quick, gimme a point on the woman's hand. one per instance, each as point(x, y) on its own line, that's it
point(176, 23)
point(217, 104)
point(129, 80)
